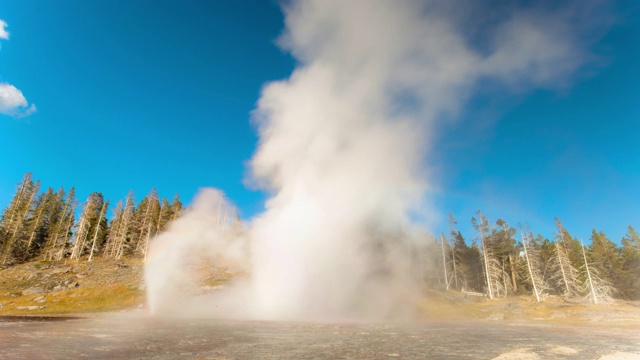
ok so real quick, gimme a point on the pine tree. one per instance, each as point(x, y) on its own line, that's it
point(37, 226)
point(630, 261)
point(176, 207)
point(599, 289)
point(14, 219)
point(566, 275)
point(100, 230)
point(121, 229)
point(604, 259)
point(146, 219)
point(165, 216)
point(60, 226)
point(90, 222)
point(455, 255)
point(446, 249)
point(492, 268)
point(503, 245)
point(535, 265)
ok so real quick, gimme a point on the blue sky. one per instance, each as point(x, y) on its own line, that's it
point(142, 94)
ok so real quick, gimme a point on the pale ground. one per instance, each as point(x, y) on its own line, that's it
point(135, 335)
point(448, 324)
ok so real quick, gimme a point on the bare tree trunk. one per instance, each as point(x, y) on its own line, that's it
point(80, 237)
point(444, 262)
point(95, 234)
point(143, 229)
point(123, 237)
point(33, 232)
point(594, 298)
point(49, 253)
point(564, 274)
point(526, 256)
point(66, 239)
point(512, 267)
point(455, 271)
point(486, 265)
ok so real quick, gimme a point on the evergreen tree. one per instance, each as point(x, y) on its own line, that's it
point(37, 224)
point(492, 267)
point(14, 220)
point(629, 287)
point(120, 235)
point(91, 222)
point(566, 275)
point(99, 231)
point(60, 224)
point(146, 219)
point(604, 258)
point(176, 207)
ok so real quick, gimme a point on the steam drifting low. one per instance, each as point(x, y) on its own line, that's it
point(344, 145)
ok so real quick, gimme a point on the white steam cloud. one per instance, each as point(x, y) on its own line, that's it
point(342, 148)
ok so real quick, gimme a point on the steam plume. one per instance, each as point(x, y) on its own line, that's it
point(344, 142)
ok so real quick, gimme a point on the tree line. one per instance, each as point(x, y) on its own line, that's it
point(48, 226)
point(504, 260)
point(500, 260)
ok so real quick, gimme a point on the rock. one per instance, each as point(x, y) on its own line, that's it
point(80, 276)
point(33, 290)
point(62, 270)
point(40, 299)
point(57, 288)
point(32, 307)
point(73, 284)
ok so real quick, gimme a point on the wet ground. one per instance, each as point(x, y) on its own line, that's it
point(136, 336)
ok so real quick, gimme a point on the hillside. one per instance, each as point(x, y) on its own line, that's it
point(66, 287)
point(71, 288)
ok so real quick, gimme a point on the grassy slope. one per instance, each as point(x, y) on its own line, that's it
point(102, 285)
point(108, 285)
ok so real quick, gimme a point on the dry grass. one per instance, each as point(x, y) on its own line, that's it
point(454, 306)
point(82, 300)
point(104, 285)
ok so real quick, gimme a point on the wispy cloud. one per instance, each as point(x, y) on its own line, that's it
point(12, 101)
point(4, 34)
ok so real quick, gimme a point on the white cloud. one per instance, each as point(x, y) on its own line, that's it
point(4, 34)
point(12, 101)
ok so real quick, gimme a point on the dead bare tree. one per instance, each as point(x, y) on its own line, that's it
point(599, 290)
point(534, 267)
point(444, 261)
point(493, 271)
point(566, 275)
point(105, 205)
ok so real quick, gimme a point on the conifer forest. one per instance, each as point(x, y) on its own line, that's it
point(497, 261)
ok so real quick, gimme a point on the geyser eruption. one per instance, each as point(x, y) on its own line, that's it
point(342, 150)
point(208, 232)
